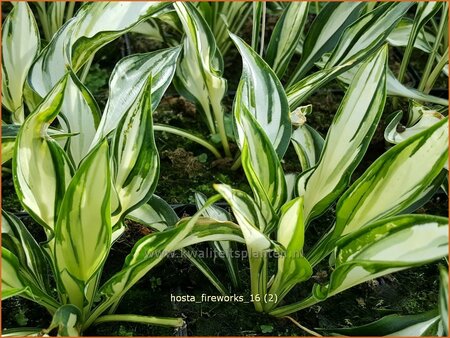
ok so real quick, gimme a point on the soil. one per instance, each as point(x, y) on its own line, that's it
point(186, 168)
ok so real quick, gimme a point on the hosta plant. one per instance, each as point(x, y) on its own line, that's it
point(342, 36)
point(374, 233)
point(81, 208)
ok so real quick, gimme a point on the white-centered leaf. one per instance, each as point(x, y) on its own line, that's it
point(127, 81)
point(358, 42)
point(41, 169)
point(395, 180)
point(199, 72)
point(20, 45)
point(135, 155)
point(293, 268)
point(286, 36)
point(264, 172)
point(349, 135)
point(324, 34)
point(261, 93)
point(387, 246)
point(83, 230)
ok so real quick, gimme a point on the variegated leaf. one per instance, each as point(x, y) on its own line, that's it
point(37, 153)
point(400, 35)
point(249, 218)
point(395, 180)
point(395, 133)
point(369, 32)
point(16, 281)
point(83, 230)
point(394, 87)
point(135, 155)
point(208, 230)
point(308, 144)
point(127, 83)
point(199, 72)
point(95, 25)
point(9, 135)
point(146, 254)
point(99, 23)
point(359, 41)
point(349, 135)
point(293, 268)
point(17, 239)
point(228, 16)
point(20, 45)
point(12, 282)
point(262, 95)
point(213, 211)
point(424, 12)
point(156, 213)
point(324, 34)
point(225, 248)
point(68, 319)
point(387, 246)
point(22, 332)
point(285, 36)
point(264, 173)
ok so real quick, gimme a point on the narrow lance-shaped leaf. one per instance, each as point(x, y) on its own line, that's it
point(83, 230)
point(41, 169)
point(425, 11)
point(127, 84)
point(261, 93)
point(286, 36)
point(20, 45)
point(136, 155)
point(251, 220)
point(367, 33)
point(349, 135)
point(208, 229)
point(9, 135)
point(81, 113)
point(293, 268)
point(357, 43)
point(395, 180)
point(387, 246)
point(17, 239)
point(225, 248)
point(199, 72)
point(264, 173)
point(324, 34)
point(81, 116)
point(16, 281)
point(394, 87)
point(228, 16)
point(95, 25)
